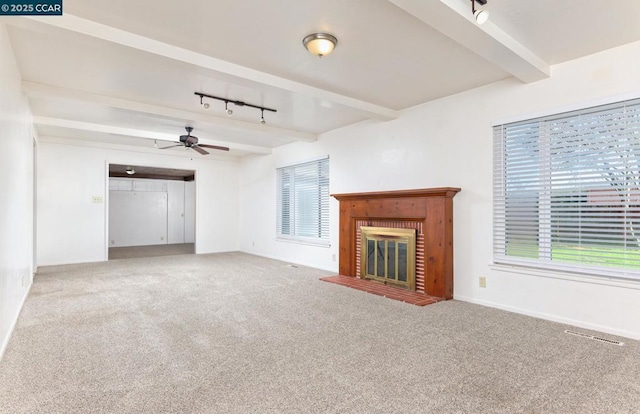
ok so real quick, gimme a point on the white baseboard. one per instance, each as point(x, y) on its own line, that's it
point(290, 261)
point(63, 263)
point(5, 342)
point(551, 317)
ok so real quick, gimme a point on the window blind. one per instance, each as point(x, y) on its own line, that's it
point(567, 191)
point(303, 201)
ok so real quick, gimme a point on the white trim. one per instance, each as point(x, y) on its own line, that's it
point(573, 277)
point(280, 259)
point(53, 140)
point(550, 317)
point(5, 344)
point(453, 19)
point(40, 90)
point(576, 106)
point(308, 160)
point(137, 133)
point(106, 211)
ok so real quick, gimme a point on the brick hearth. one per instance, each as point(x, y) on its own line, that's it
point(414, 298)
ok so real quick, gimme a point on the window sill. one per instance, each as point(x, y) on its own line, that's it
point(605, 280)
point(307, 242)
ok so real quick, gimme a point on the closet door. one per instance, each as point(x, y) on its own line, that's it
point(175, 212)
point(190, 212)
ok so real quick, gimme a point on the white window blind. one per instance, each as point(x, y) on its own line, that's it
point(567, 191)
point(303, 201)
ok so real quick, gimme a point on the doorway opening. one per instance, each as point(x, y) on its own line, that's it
point(151, 211)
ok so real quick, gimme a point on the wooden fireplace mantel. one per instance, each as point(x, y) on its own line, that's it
point(432, 206)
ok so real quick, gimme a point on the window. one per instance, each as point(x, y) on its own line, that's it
point(303, 201)
point(567, 191)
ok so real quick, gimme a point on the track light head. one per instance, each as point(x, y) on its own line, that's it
point(480, 15)
point(226, 108)
point(262, 121)
point(203, 104)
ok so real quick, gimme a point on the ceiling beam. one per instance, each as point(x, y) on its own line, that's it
point(111, 34)
point(138, 133)
point(39, 90)
point(453, 18)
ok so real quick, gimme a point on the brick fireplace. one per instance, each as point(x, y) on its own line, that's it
point(429, 211)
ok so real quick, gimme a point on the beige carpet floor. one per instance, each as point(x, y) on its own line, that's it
point(235, 333)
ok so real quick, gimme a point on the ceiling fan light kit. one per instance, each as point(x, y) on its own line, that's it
point(320, 44)
point(191, 142)
point(226, 101)
point(480, 15)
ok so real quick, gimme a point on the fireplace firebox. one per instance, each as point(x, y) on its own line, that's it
point(388, 255)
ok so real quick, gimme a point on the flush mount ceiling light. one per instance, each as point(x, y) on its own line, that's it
point(130, 171)
point(226, 101)
point(480, 15)
point(320, 44)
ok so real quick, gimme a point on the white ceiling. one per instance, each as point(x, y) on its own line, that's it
point(118, 71)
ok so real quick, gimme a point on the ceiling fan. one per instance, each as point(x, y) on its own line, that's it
point(189, 141)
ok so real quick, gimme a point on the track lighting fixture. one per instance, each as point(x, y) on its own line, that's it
point(480, 15)
point(320, 44)
point(228, 110)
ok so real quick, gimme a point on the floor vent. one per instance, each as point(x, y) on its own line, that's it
point(595, 338)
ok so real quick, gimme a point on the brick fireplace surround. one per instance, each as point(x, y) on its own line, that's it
point(429, 210)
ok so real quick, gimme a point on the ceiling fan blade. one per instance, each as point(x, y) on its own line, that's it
point(177, 144)
point(216, 147)
point(200, 150)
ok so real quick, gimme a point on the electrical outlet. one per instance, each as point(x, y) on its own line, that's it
point(483, 282)
point(97, 199)
point(333, 257)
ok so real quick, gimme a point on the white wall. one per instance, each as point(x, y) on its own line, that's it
point(448, 142)
point(144, 212)
point(137, 218)
point(72, 229)
point(16, 192)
